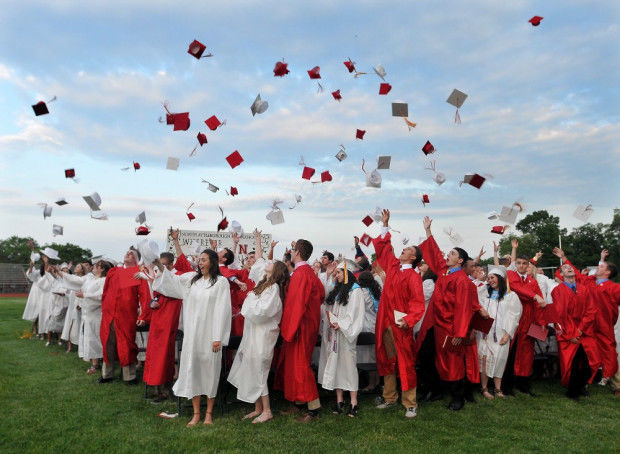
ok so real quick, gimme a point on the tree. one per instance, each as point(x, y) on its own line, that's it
point(15, 249)
point(71, 252)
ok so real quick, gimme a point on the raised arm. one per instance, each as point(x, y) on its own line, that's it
point(383, 246)
point(495, 254)
point(174, 234)
point(271, 248)
point(258, 250)
point(431, 252)
point(513, 253)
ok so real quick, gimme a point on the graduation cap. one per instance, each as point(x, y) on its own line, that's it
point(93, 201)
point(213, 123)
point(365, 240)
point(141, 218)
point(69, 173)
point(143, 230)
point(61, 202)
point(350, 65)
point(508, 214)
point(499, 229)
point(280, 69)
point(234, 159)
point(223, 224)
point(535, 21)
point(341, 155)
point(583, 212)
point(336, 94)
point(180, 121)
point(474, 180)
point(377, 215)
point(233, 191)
point(40, 108)
point(57, 230)
point(202, 138)
point(384, 88)
point(456, 98)
point(425, 199)
point(307, 173)
point(275, 216)
point(297, 201)
point(359, 134)
point(325, 176)
point(99, 216)
point(428, 148)
point(196, 49)
point(172, 163)
point(47, 210)
point(235, 227)
point(400, 109)
point(373, 179)
point(380, 71)
point(439, 177)
point(136, 166)
point(383, 162)
point(258, 106)
point(211, 187)
point(190, 215)
point(367, 221)
point(455, 238)
point(314, 73)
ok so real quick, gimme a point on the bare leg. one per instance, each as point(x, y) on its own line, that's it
point(209, 415)
point(49, 338)
point(353, 398)
point(266, 415)
point(498, 387)
point(196, 406)
point(484, 380)
point(339, 395)
point(258, 409)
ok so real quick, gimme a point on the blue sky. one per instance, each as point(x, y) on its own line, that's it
point(541, 115)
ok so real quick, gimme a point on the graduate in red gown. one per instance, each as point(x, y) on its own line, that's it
point(125, 300)
point(606, 295)
point(574, 314)
point(394, 345)
point(299, 329)
point(521, 357)
point(165, 311)
point(454, 301)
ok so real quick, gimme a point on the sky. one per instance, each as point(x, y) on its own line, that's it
point(541, 115)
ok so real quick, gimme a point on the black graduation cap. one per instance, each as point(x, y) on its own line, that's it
point(40, 108)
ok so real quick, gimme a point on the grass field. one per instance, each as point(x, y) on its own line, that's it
point(48, 404)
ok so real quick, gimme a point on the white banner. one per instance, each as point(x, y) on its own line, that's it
point(192, 240)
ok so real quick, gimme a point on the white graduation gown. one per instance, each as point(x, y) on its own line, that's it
point(90, 340)
point(59, 302)
point(71, 329)
point(252, 362)
point(207, 316)
point(428, 287)
point(340, 370)
point(366, 353)
point(506, 314)
point(31, 311)
point(45, 285)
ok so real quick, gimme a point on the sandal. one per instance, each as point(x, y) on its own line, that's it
point(338, 408)
point(499, 393)
point(487, 394)
point(91, 370)
point(192, 423)
point(352, 413)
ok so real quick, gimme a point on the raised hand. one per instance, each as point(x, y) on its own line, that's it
point(559, 253)
point(213, 244)
point(495, 248)
point(604, 255)
point(174, 234)
point(427, 222)
point(538, 255)
point(31, 245)
point(273, 244)
point(385, 217)
point(514, 243)
point(235, 238)
point(481, 253)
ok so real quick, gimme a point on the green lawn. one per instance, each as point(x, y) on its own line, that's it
point(48, 404)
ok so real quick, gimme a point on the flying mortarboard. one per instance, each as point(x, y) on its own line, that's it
point(297, 201)
point(223, 224)
point(280, 69)
point(535, 21)
point(314, 73)
point(336, 94)
point(455, 238)
point(275, 216)
point(365, 240)
point(99, 216)
point(359, 134)
point(258, 106)
point(583, 212)
point(172, 163)
point(474, 180)
point(373, 179)
point(384, 88)
point(93, 201)
point(367, 221)
point(202, 138)
point(508, 214)
point(40, 108)
point(456, 98)
point(47, 210)
point(57, 230)
point(425, 199)
point(70, 173)
point(350, 65)
point(61, 202)
point(189, 214)
point(196, 49)
point(383, 162)
point(307, 173)
point(380, 71)
point(143, 230)
point(439, 177)
point(233, 191)
point(341, 155)
point(428, 148)
point(234, 159)
point(210, 186)
point(325, 176)
point(141, 218)
point(400, 109)
point(499, 229)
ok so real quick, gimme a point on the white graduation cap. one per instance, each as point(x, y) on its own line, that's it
point(453, 235)
point(57, 230)
point(172, 163)
point(508, 214)
point(380, 71)
point(61, 202)
point(373, 179)
point(93, 201)
point(99, 216)
point(47, 210)
point(583, 212)
point(236, 228)
point(383, 162)
point(341, 155)
point(149, 251)
point(35, 257)
point(297, 201)
point(456, 98)
point(492, 215)
point(211, 187)
point(377, 215)
point(439, 177)
point(141, 218)
point(301, 161)
point(50, 253)
point(275, 216)
point(258, 106)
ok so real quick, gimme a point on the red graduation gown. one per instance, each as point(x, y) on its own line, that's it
point(402, 291)
point(454, 301)
point(122, 295)
point(575, 311)
point(237, 297)
point(532, 313)
point(160, 350)
point(299, 328)
point(606, 297)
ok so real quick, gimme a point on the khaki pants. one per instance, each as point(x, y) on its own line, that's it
point(312, 405)
point(107, 370)
point(390, 394)
point(615, 381)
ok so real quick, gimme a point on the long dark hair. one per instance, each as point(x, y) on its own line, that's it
point(429, 274)
point(42, 269)
point(366, 280)
point(341, 291)
point(214, 267)
point(501, 287)
point(279, 276)
point(105, 267)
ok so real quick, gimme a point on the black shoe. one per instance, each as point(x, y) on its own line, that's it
point(469, 396)
point(338, 409)
point(456, 404)
point(432, 397)
point(104, 380)
point(572, 396)
point(131, 382)
point(585, 392)
point(352, 413)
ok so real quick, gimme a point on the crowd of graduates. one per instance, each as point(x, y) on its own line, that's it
point(423, 322)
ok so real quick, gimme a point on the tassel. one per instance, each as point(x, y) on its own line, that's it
point(457, 117)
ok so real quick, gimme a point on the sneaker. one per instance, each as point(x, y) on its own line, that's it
point(382, 405)
point(411, 412)
point(603, 381)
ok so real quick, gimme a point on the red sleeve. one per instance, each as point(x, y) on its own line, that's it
point(520, 287)
point(296, 305)
point(144, 298)
point(182, 265)
point(587, 322)
point(463, 307)
point(554, 313)
point(107, 283)
point(433, 256)
point(385, 253)
point(415, 305)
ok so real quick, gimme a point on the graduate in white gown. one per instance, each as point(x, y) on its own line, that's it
point(207, 318)
point(31, 311)
point(54, 304)
point(262, 310)
point(344, 307)
point(71, 329)
point(505, 308)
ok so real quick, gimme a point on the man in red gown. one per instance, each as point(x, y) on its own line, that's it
point(450, 310)
point(606, 295)
point(521, 357)
point(165, 311)
point(394, 345)
point(299, 329)
point(574, 314)
point(125, 300)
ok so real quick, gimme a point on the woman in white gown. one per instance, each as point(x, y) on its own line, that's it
point(262, 310)
point(207, 317)
point(366, 353)
point(505, 308)
point(345, 318)
point(53, 304)
point(71, 329)
point(31, 311)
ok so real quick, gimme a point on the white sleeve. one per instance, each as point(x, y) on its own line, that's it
point(351, 317)
point(95, 290)
point(45, 283)
point(73, 282)
point(384, 231)
point(172, 285)
point(513, 313)
point(265, 307)
point(428, 287)
point(258, 270)
point(222, 312)
point(34, 275)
